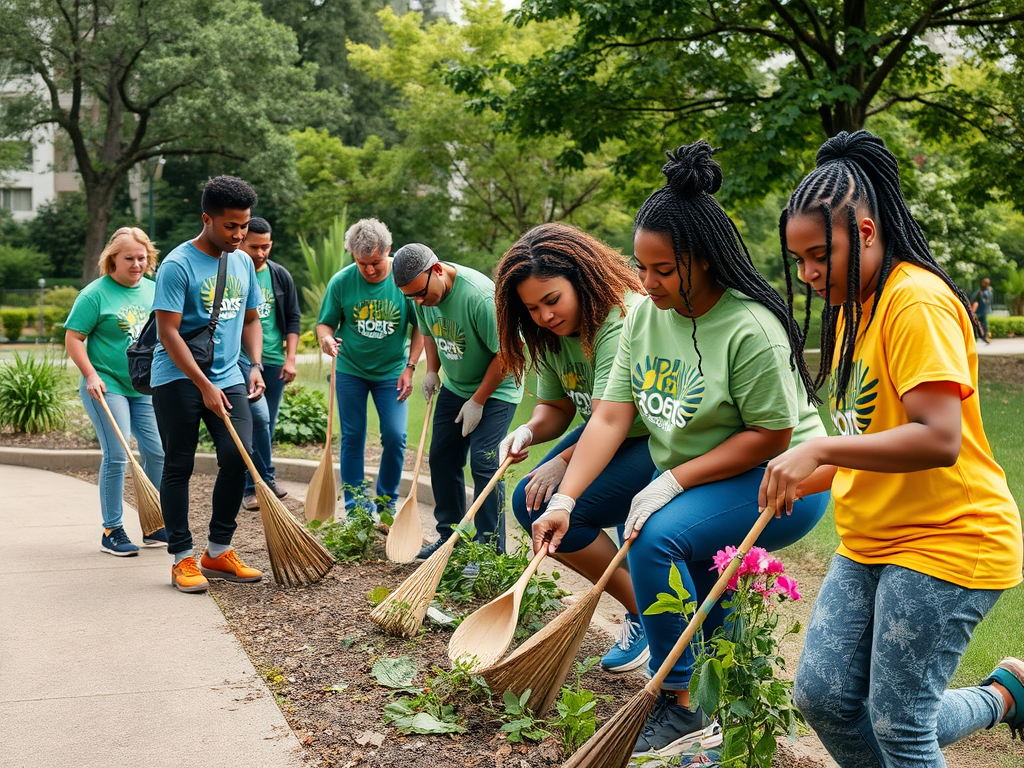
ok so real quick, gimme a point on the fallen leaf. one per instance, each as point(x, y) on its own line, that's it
point(370, 737)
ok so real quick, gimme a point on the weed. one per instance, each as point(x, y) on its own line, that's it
point(351, 539)
point(520, 723)
point(434, 708)
point(577, 710)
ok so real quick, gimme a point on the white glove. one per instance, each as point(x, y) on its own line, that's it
point(543, 481)
point(544, 527)
point(656, 495)
point(469, 416)
point(515, 442)
point(431, 383)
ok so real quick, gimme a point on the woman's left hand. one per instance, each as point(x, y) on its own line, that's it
point(784, 473)
point(656, 495)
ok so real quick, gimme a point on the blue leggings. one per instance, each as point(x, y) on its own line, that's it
point(688, 531)
point(605, 503)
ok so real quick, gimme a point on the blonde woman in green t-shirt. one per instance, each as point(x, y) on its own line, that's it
point(713, 364)
point(561, 297)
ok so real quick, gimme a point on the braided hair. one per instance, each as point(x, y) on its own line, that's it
point(856, 171)
point(599, 274)
point(698, 227)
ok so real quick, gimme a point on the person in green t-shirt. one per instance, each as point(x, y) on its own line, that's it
point(712, 361)
point(566, 294)
point(106, 317)
point(377, 355)
point(475, 405)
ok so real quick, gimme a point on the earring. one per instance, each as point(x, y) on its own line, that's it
point(868, 243)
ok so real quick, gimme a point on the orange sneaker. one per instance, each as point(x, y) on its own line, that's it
point(185, 576)
point(228, 567)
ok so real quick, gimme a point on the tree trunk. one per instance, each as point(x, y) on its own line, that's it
point(99, 202)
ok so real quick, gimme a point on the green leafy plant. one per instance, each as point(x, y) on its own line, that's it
point(577, 710)
point(521, 725)
point(434, 708)
point(13, 321)
point(347, 540)
point(32, 394)
point(302, 418)
point(324, 262)
point(394, 673)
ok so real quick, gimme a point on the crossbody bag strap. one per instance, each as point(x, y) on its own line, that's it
point(222, 272)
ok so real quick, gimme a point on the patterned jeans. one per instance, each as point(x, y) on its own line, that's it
point(882, 645)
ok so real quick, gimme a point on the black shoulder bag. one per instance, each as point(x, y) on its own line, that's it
point(199, 341)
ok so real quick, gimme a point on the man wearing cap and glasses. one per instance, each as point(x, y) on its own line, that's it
point(475, 402)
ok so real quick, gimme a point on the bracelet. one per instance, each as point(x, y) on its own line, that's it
point(411, 365)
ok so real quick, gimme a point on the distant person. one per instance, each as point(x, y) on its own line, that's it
point(184, 395)
point(107, 316)
point(476, 404)
point(280, 318)
point(376, 356)
point(982, 306)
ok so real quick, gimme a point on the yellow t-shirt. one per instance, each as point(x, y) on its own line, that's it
point(960, 523)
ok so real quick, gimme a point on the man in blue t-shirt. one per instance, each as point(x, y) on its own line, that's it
point(184, 394)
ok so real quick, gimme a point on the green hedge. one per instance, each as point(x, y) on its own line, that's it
point(13, 321)
point(1005, 327)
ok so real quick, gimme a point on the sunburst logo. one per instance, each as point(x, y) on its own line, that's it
point(852, 416)
point(231, 304)
point(575, 379)
point(376, 318)
point(130, 320)
point(667, 392)
point(266, 306)
point(450, 340)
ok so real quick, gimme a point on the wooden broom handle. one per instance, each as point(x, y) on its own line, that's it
point(117, 430)
point(257, 478)
point(484, 493)
point(423, 442)
point(533, 565)
point(330, 408)
point(612, 566)
point(654, 686)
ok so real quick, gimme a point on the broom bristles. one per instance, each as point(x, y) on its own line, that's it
point(612, 746)
point(147, 500)
point(296, 557)
point(541, 664)
point(401, 613)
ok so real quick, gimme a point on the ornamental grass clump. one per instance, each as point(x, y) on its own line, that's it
point(32, 392)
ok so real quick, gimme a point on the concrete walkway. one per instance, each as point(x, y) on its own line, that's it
point(102, 663)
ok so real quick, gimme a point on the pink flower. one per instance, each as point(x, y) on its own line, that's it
point(756, 561)
point(788, 587)
point(775, 566)
point(722, 558)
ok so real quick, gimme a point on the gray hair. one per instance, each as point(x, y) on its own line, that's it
point(366, 237)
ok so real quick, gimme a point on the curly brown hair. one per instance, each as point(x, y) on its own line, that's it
point(599, 274)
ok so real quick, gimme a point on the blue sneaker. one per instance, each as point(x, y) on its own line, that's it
point(631, 650)
point(117, 543)
point(157, 538)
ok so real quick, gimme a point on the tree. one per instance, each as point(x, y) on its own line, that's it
point(130, 80)
point(769, 80)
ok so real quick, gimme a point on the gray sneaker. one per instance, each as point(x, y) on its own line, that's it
point(672, 729)
point(428, 549)
point(251, 502)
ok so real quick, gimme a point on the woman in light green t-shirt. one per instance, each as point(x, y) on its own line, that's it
point(713, 364)
point(566, 294)
point(107, 316)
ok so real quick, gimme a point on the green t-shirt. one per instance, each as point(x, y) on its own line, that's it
point(273, 339)
point(569, 373)
point(746, 379)
point(373, 321)
point(111, 317)
point(465, 329)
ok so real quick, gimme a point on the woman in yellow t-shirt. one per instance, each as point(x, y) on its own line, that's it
point(930, 533)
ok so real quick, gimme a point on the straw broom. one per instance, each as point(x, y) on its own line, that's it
point(541, 664)
point(322, 493)
point(151, 517)
point(612, 746)
point(295, 556)
point(401, 613)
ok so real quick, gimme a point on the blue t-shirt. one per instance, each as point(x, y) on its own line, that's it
point(186, 283)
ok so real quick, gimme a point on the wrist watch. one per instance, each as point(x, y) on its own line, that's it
point(411, 364)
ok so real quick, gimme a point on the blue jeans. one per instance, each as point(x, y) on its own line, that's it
point(881, 647)
point(606, 501)
point(134, 417)
point(448, 453)
point(393, 417)
point(688, 531)
point(264, 418)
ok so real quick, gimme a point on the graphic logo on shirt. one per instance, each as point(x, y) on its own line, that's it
point(266, 307)
point(376, 318)
point(231, 304)
point(450, 340)
point(667, 392)
point(130, 320)
point(852, 416)
point(574, 380)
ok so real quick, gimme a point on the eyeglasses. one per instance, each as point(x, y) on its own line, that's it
point(423, 293)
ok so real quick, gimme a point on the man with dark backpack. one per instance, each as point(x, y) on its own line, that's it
point(203, 283)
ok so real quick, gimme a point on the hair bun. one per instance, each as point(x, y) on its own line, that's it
point(859, 146)
point(691, 169)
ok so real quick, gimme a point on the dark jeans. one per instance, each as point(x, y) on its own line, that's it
point(179, 408)
point(448, 452)
point(264, 418)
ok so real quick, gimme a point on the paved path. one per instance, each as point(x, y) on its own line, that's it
point(102, 663)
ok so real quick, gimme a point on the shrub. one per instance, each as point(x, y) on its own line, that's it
point(32, 395)
point(22, 267)
point(303, 416)
point(62, 296)
point(14, 322)
point(1006, 327)
point(53, 321)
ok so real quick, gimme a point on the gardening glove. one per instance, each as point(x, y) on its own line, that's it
point(516, 443)
point(656, 495)
point(431, 383)
point(543, 481)
point(554, 523)
point(469, 416)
